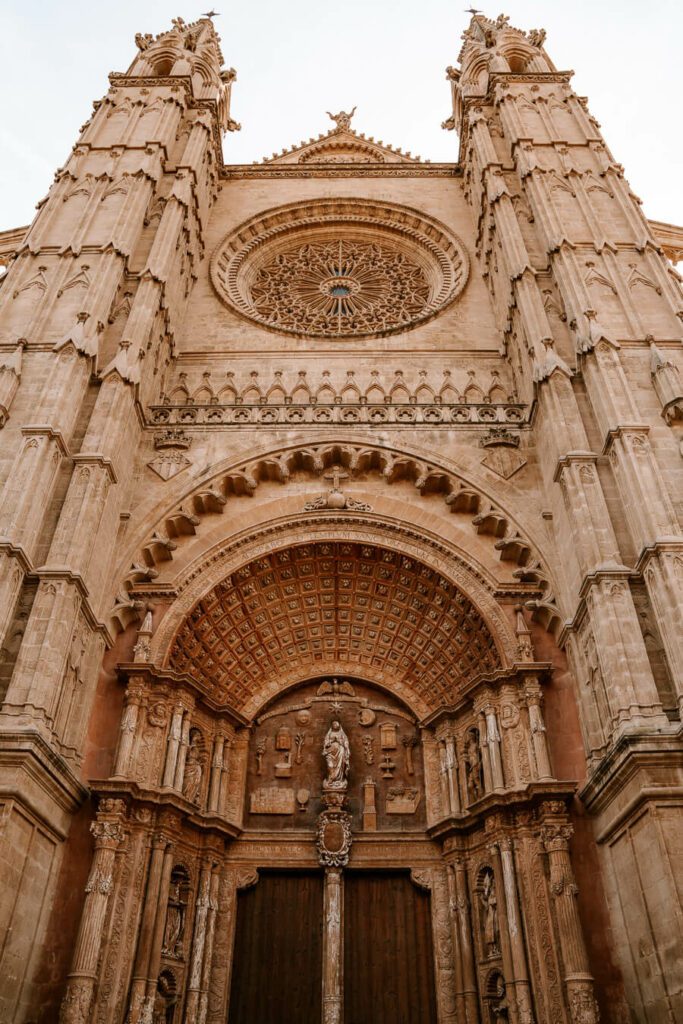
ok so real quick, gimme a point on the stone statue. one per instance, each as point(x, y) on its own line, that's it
point(192, 779)
point(337, 755)
point(473, 766)
point(489, 902)
point(175, 920)
point(342, 119)
point(165, 999)
point(499, 1005)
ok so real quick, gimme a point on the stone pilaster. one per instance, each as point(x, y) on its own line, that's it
point(577, 977)
point(108, 833)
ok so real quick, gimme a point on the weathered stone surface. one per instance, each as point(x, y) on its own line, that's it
point(374, 442)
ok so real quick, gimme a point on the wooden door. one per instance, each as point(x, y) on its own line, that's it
point(388, 959)
point(277, 965)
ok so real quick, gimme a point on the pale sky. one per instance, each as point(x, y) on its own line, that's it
point(295, 59)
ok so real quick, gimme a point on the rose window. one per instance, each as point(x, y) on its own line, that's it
point(340, 287)
point(339, 268)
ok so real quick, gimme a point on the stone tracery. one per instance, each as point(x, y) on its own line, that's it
point(340, 287)
point(339, 267)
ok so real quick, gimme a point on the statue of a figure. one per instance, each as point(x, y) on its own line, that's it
point(337, 755)
point(192, 778)
point(174, 921)
point(164, 1001)
point(473, 766)
point(490, 903)
point(342, 119)
point(499, 1006)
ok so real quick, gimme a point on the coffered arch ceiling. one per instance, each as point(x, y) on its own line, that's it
point(292, 613)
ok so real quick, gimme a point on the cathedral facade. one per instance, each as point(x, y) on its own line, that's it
point(341, 568)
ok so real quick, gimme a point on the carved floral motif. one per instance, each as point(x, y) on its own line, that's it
point(339, 288)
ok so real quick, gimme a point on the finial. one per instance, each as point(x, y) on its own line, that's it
point(211, 14)
point(342, 119)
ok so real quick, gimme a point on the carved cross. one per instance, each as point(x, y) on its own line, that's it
point(336, 474)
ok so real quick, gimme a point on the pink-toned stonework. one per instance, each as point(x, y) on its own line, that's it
point(341, 531)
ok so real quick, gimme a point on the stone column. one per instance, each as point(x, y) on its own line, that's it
point(452, 775)
point(485, 755)
point(129, 720)
point(493, 741)
point(159, 925)
point(149, 912)
point(182, 755)
point(216, 773)
point(199, 939)
point(108, 834)
point(225, 778)
point(577, 977)
point(207, 969)
point(333, 969)
point(515, 933)
point(442, 932)
point(533, 697)
point(464, 926)
point(443, 780)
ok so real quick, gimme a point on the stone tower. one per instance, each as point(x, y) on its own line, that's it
point(341, 614)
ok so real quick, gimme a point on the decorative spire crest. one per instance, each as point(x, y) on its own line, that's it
point(342, 119)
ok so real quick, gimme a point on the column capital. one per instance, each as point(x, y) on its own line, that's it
point(556, 835)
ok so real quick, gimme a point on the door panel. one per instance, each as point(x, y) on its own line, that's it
point(277, 965)
point(388, 960)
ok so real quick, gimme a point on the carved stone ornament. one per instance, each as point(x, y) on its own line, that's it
point(334, 838)
point(169, 464)
point(504, 462)
point(340, 268)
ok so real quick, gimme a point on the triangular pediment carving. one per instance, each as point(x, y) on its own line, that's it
point(342, 146)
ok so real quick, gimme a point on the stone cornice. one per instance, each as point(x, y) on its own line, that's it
point(518, 673)
point(38, 777)
point(635, 759)
point(164, 800)
point(663, 545)
point(507, 802)
point(236, 172)
point(156, 676)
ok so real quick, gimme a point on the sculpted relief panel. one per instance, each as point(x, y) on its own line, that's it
point(335, 735)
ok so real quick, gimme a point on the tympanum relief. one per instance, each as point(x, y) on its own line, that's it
point(335, 736)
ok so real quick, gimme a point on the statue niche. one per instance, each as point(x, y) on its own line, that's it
point(496, 998)
point(174, 930)
point(194, 766)
point(337, 755)
point(165, 999)
point(488, 898)
point(473, 775)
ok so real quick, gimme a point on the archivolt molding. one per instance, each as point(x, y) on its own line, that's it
point(210, 497)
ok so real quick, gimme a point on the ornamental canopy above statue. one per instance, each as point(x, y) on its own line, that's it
point(339, 268)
